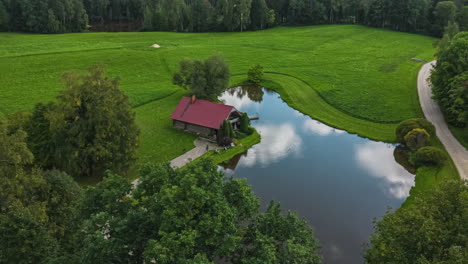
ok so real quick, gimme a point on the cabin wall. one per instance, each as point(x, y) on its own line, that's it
point(179, 125)
point(206, 131)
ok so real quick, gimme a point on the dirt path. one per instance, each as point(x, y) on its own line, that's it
point(432, 112)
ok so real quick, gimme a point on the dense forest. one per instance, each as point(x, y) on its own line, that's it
point(58, 16)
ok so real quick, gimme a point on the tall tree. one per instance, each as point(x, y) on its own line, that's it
point(36, 208)
point(433, 230)
point(206, 79)
point(189, 215)
point(260, 15)
point(449, 79)
point(91, 129)
point(444, 12)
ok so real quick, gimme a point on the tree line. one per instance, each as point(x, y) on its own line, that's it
point(450, 76)
point(56, 16)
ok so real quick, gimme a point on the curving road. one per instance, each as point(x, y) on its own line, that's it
point(432, 112)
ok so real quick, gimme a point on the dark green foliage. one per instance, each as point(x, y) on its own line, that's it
point(402, 156)
point(172, 216)
point(189, 215)
point(225, 133)
point(272, 228)
point(260, 15)
point(416, 138)
point(406, 126)
point(245, 123)
point(91, 129)
point(450, 78)
point(255, 74)
point(462, 18)
point(36, 208)
point(53, 16)
point(227, 129)
point(444, 13)
point(41, 136)
point(432, 230)
point(428, 156)
point(206, 79)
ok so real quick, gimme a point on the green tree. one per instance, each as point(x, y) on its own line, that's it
point(41, 136)
point(406, 126)
point(148, 19)
point(458, 94)
point(449, 33)
point(36, 208)
point(260, 14)
point(429, 156)
point(462, 18)
point(276, 238)
point(255, 74)
point(245, 123)
point(189, 215)
point(4, 17)
point(172, 216)
point(416, 138)
point(444, 12)
point(227, 129)
point(449, 78)
point(206, 79)
point(433, 230)
point(93, 126)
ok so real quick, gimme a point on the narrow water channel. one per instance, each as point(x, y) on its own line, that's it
point(338, 181)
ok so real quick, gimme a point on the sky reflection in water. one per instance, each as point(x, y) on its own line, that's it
point(339, 182)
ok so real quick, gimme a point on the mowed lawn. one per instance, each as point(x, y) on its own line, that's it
point(352, 77)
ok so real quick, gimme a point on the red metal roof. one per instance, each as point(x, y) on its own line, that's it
point(202, 113)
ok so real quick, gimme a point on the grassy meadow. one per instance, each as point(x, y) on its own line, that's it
point(351, 77)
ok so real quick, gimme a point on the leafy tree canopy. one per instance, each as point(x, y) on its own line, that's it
point(189, 215)
point(432, 230)
point(206, 79)
point(91, 128)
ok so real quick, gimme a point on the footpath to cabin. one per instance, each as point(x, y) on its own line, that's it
point(201, 147)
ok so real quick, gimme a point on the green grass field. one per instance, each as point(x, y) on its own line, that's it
point(352, 77)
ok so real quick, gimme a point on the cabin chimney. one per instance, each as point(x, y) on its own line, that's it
point(194, 98)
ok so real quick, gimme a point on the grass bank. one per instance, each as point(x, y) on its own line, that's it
point(429, 177)
point(242, 145)
point(299, 95)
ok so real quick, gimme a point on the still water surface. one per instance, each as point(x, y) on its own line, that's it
point(338, 181)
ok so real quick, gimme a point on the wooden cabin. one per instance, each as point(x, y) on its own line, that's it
point(203, 117)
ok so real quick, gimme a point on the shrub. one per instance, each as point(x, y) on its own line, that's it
point(428, 156)
point(410, 124)
point(245, 123)
point(416, 138)
point(255, 74)
point(225, 141)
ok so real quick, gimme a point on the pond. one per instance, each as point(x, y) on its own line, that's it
point(337, 181)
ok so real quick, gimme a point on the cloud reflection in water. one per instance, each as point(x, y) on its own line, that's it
point(320, 129)
point(278, 141)
point(377, 159)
